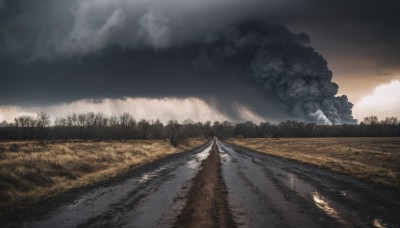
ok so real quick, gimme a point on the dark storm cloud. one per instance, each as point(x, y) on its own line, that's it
point(266, 67)
point(63, 50)
point(48, 29)
point(145, 73)
point(45, 29)
point(366, 30)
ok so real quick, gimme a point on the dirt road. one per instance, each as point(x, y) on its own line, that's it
point(220, 186)
point(207, 203)
point(281, 193)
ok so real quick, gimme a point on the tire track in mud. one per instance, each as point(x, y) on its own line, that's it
point(207, 200)
point(112, 218)
point(305, 196)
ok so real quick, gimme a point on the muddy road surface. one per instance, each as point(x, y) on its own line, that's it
point(265, 191)
point(220, 185)
point(207, 202)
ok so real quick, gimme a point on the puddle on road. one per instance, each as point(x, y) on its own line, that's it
point(333, 198)
point(294, 183)
point(307, 191)
point(287, 180)
point(195, 162)
point(340, 213)
point(325, 206)
point(203, 155)
point(224, 156)
point(378, 223)
point(147, 176)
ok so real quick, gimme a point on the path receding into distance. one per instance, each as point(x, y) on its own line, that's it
point(245, 189)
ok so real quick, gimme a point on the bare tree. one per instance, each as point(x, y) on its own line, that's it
point(82, 120)
point(174, 132)
point(126, 120)
point(4, 124)
point(98, 126)
point(390, 121)
point(371, 120)
point(113, 121)
point(43, 120)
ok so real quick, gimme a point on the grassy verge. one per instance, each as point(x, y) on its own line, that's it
point(374, 159)
point(32, 171)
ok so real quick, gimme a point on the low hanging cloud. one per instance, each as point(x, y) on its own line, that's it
point(383, 102)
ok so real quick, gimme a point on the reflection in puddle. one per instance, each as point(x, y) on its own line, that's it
point(294, 183)
point(148, 176)
point(378, 223)
point(322, 204)
point(306, 190)
point(204, 154)
point(77, 202)
point(222, 153)
point(195, 163)
point(298, 186)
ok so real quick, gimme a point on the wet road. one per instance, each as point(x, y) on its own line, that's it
point(266, 191)
point(149, 196)
point(263, 191)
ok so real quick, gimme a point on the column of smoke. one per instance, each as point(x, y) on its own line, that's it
point(282, 62)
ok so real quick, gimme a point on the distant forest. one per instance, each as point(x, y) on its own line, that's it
point(97, 126)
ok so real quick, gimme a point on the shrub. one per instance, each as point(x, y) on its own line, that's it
point(14, 148)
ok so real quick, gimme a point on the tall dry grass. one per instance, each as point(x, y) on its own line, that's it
point(374, 159)
point(32, 171)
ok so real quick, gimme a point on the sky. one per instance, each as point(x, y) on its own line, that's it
point(152, 58)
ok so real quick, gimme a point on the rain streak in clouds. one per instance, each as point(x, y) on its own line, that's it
point(142, 108)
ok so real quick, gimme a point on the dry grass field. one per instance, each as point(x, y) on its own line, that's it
point(374, 159)
point(32, 170)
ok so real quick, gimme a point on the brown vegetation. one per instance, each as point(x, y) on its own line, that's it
point(374, 159)
point(35, 170)
point(207, 204)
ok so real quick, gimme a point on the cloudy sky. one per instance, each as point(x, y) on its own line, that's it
point(139, 56)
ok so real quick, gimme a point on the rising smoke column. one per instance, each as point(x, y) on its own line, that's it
point(284, 63)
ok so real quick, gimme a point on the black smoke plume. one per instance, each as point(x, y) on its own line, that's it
point(283, 63)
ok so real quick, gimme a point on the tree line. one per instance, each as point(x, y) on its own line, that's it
point(97, 126)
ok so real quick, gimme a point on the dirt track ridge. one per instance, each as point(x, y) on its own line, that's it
point(207, 202)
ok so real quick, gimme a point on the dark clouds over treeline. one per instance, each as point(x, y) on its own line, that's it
point(62, 50)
